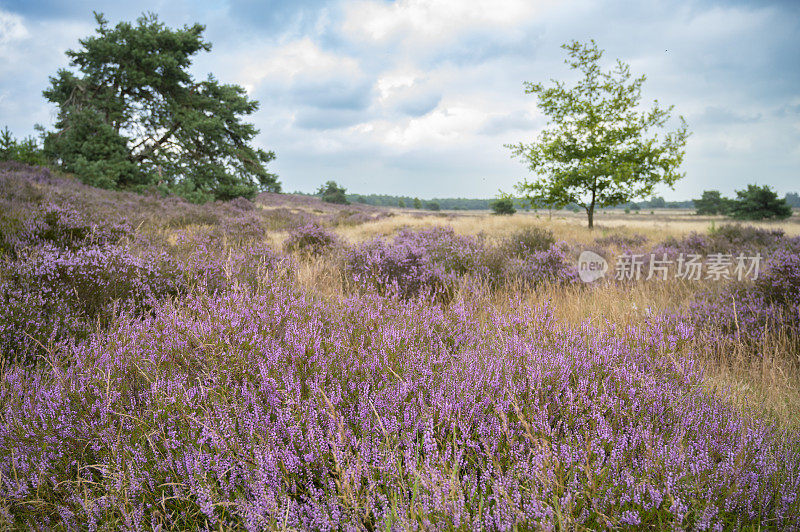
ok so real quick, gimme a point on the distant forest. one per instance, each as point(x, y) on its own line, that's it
point(472, 204)
point(468, 204)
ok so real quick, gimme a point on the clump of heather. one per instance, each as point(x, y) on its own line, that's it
point(310, 240)
point(54, 294)
point(435, 260)
point(527, 241)
point(213, 269)
point(746, 237)
point(56, 227)
point(751, 309)
point(729, 238)
point(553, 265)
point(272, 409)
point(624, 241)
point(415, 262)
point(692, 243)
point(241, 203)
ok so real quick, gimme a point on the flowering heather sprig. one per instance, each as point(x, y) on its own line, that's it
point(276, 409)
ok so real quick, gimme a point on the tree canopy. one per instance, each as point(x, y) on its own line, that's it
point(712, 202)
point(132, 116)
point(598, 150)
point(331, 192)
point(504, 204)
point(759, 203)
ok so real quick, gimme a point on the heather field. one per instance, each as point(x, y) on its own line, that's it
point(285, 364)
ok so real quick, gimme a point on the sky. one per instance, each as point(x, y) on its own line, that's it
point(418, 97)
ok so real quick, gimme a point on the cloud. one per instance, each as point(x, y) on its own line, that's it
point(503, 123)
point(419, 96)
point(426, 22)
point(326, 119)
point(11, 28)
point(721, 116)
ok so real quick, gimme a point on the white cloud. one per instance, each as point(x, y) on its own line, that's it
point(302, 59)
point(12, 28)
point(430, 21)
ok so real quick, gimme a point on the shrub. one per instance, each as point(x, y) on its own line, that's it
point(59, 227)
point(503, 205)
point(242, 203)
point(413, 263)
point(256, 410)
point(712, 202)
point(745, 237)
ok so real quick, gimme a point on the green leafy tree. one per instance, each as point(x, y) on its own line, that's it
point(417, 203)
point(759, 203)
point(433, 206)
point(401, 203)
point(598, 150)
point(330, 192)
point(132, 116)
point(503, 204)
point(712, 202)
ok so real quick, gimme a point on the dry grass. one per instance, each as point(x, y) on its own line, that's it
point(565, 226)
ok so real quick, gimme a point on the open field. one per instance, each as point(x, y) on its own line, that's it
point(285, 364)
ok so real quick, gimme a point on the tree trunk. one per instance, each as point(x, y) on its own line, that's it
point(590, 209)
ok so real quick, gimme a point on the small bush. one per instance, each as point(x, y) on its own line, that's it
point(503, 206)
point(414, 263)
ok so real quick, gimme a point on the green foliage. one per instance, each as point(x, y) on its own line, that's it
point(503, 205)
point(330, 192)
point(598, 150)
point(712, 202)
point(759, 203)
point(432, 206)
point(417, 203)
point(133, 117)
point(26, 150)
point(401, 204)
